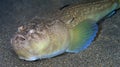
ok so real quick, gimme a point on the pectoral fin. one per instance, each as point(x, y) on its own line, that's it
point(82, 35)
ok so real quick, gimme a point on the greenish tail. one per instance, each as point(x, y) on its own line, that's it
point(118, 2)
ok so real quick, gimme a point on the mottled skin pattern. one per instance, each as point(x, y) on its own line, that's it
point(45, 38)
point(78, 13)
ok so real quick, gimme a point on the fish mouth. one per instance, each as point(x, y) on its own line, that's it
point(18, 42)
point(17, 38)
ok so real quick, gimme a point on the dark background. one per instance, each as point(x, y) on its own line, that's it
point(103, 52)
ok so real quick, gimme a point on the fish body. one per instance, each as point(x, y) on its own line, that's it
point(73, 29)
point(96, 10)
point(82, 20)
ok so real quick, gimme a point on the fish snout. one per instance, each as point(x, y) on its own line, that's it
point(19, 42)
point(17, 38)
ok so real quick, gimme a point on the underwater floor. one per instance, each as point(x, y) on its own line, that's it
point(103, 52)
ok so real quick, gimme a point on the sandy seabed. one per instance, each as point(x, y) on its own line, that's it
point(103, 52)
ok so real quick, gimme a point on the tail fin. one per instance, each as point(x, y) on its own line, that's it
point(118, 2)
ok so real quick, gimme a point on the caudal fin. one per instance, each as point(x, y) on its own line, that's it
point(118, 2)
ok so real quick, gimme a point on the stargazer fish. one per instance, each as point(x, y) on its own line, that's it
point(71, 30)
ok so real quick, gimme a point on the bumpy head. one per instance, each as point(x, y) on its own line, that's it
point(28, 45)
point(39, 40)
point(30, 40)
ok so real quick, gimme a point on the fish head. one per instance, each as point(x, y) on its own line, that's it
point(29, 43)
point(40, 40)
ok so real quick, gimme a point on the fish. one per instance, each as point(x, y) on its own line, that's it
point(72, 30)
